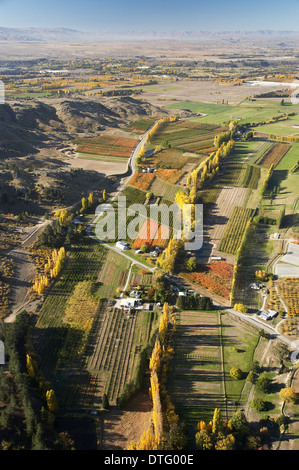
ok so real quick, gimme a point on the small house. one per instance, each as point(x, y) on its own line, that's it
point(136, 294)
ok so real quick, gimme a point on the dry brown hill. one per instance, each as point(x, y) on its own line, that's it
point(26, 125)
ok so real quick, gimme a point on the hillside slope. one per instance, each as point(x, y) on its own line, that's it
point(26, 125)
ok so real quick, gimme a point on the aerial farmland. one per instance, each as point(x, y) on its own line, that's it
point(118, 334)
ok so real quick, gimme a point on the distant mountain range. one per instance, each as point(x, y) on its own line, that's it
point(71, 35)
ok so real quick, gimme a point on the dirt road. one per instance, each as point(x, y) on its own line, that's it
point(24, 271)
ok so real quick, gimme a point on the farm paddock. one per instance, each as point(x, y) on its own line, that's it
point(84, 363)
point(216, 216)
point(274, 155)
point(207, 346)
point(107, 145)
point(195, 380)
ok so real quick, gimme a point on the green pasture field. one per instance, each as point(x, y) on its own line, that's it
point(283, 128)
point(141, 125)
point(133, 195)
point(141, 277)
point(201, 108)
point(251, 151)
point(195, 381)
point(290, 159)
point(247, 111)
point(244, 339)
point(106, 146)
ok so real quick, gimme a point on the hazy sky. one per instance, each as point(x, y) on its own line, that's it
point(160, 15)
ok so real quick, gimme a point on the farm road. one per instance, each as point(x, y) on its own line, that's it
point(24, 271)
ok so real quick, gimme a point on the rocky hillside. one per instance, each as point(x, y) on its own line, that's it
point(26, 125)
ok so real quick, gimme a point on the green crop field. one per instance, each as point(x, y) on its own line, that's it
point(186, 135)
point(234, 230)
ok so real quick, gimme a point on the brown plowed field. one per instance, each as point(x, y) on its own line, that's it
point(215, 222)
point(275, 154)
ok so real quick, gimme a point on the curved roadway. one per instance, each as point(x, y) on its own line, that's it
point(131, 165)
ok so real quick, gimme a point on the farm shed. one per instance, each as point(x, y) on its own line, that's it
point(122, 246)
point(129, 303)
point(264, 316)
point(147, 307)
